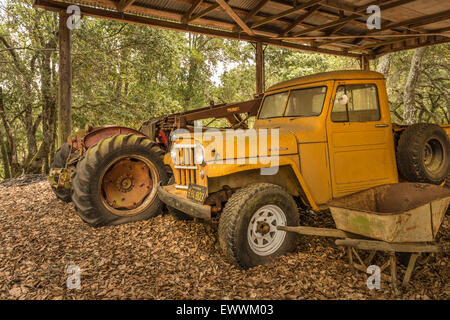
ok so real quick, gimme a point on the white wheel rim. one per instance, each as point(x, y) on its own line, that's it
point(262, 235)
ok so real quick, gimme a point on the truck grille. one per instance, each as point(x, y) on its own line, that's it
point(185, 167)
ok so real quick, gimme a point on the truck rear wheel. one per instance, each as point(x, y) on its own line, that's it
point(247, 227)
point(116, 181)
point(59, 161)
point(423, 154)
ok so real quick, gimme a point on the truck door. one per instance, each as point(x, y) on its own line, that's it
point(360, 139)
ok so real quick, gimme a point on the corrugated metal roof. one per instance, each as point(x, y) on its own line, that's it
point(405, 23)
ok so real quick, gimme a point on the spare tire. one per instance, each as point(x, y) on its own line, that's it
point(59, 161)
point(423, 154)
point(116, 181)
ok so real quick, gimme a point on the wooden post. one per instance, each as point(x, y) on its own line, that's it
point(65, 80)
point(364, 63)
point(260, 77)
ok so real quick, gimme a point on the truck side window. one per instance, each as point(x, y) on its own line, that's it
point(359, 104)
point(306, 102)
point(273, 105)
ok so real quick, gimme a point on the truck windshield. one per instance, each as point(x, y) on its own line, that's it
point(306, 102)
point(273, 105)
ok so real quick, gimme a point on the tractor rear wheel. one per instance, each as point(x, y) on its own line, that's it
point(59, 161)
point(116, 181)
point(248, 234)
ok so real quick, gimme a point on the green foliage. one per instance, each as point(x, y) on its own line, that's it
point(124, 74)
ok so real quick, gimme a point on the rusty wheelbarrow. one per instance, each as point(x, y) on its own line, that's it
point(402, 217)
point(402, 212)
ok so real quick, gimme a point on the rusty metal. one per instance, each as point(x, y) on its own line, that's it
point(126, 184)
point(403, 212)
point(61, 177)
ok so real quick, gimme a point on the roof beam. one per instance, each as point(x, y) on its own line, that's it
point(164, 24)
point(420, 21)
point(300, 19)
point(340, 21)
point(235, 17)
point(191, 10)
point(124, 4)
point(285, 13)
point(203, 13)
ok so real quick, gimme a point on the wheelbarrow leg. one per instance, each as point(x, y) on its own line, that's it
point(410, 268)
point(393, 263)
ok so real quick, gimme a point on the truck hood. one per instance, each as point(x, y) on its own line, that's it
point(241, 144)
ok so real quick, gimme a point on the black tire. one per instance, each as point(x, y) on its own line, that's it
point(234, 233)
point(88, 196)
point(177, 214)
point(59, 161)
point(423, 154)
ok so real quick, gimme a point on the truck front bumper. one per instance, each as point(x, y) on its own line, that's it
point(177, 199)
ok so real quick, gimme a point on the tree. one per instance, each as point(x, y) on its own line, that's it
point(409, 111)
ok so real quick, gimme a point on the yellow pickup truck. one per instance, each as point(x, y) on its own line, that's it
point(334, 137)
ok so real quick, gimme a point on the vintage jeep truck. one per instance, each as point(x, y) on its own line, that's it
point(334, 137)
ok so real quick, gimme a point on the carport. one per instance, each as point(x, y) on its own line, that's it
point(337, 27)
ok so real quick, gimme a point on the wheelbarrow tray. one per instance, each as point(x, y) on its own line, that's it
point(401, 212)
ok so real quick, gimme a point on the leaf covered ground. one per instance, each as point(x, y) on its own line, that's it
point(167, 259)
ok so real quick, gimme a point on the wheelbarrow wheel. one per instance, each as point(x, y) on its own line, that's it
point(116, 181)
point(248, 234)
point(59, 161)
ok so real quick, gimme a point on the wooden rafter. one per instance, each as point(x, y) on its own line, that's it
point(301, 18)
point(165, 24)
point(277, 28)
point(123, 5)
point(235, 17)
point(295, 9)
point(419, 21)
point(191, 10)
point(204, 12)
point(340, 21)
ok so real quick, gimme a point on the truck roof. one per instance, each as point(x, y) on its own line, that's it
point(332, 75)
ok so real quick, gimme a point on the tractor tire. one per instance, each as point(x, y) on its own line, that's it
point(116, 181)
point(177, 214)
point(247, 227)
point(59, 161)
point(423, 154)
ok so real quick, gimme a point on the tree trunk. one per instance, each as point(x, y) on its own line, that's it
point(384, 65)
point(65, 80)
point(409, 106)
point(5, 160)
point(11, 145)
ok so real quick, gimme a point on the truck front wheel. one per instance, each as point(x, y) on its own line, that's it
point(248, 234)
point(116, 181)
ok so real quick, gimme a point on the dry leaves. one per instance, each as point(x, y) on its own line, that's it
point(166, 259)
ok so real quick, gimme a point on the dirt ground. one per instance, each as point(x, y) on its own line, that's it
point(166, 259)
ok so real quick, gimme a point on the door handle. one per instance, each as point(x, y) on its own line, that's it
point(382, 125)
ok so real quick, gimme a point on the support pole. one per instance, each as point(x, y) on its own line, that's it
point(65, 80)
point(260, 77)
point(364, 63)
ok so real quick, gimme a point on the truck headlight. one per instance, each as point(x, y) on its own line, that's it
point(173, 154)
point(199, 154)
